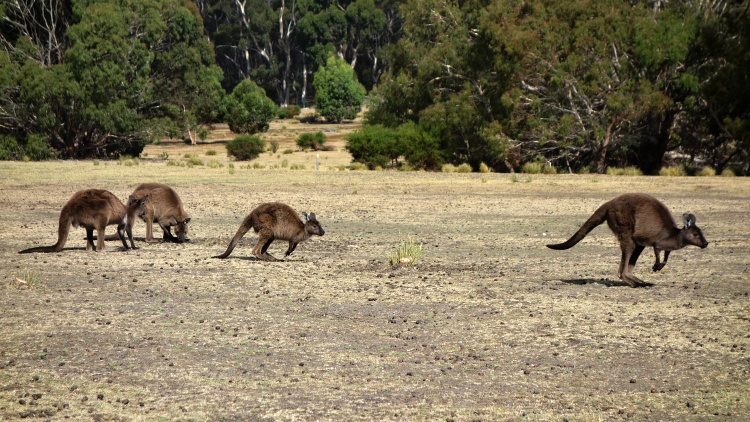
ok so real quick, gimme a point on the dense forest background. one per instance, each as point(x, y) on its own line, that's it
point(572, 84)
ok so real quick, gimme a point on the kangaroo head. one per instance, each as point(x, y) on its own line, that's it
point(180, 229)
point(312, 226)
point(692, 234)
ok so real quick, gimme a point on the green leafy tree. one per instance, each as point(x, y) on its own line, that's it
point(133, 72)
point(338, 94)
point(247, 109)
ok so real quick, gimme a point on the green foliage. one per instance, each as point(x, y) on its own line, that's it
point(374, 145)
point(247, 109)
point(274, 146)
point(338, 94)
point(309, 140)
point(246, 147)
point(288, 112)
point(36, 148)
point(420, 148)
point(211, 152)
point(9, 148)
point(133, 72)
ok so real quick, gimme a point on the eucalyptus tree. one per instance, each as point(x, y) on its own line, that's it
point(131, 71)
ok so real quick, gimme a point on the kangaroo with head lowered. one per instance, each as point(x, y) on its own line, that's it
point(94, 209)
point(640, 220)
point(275, 221)
point(163, 206)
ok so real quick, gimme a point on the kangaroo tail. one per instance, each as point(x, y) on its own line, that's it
point(62, 235)
point(246, 225)
point(599, 216)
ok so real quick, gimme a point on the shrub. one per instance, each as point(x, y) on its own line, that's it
point(247, 109)
point(274, 146)
point(246, 147)
point(374, 146)
point(37, 149)
point(448, 168)
point(707, 171)
point(9, 148)
point(727, 172)
point(533, 167)
point(289, 112)
point(673, 171)
point(211, 152)
point(484, 168)
point(214, 164)
point(420, 148)
point(288, 151)
point(627, 171)
point(194, 161)
point(309, 140)
point(464, 168)
point(357, 166)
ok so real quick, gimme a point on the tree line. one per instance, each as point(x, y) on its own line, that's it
point(576, 85)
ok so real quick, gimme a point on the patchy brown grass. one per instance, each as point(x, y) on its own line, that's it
point(488, 325)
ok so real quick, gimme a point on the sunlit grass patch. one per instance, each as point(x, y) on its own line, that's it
point(406, 253)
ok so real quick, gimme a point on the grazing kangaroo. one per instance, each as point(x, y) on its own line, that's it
point(162, 206)
point(275, 221)
point(640, 220)
point(94, 209)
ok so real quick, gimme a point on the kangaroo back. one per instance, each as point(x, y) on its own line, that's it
point(599, 216)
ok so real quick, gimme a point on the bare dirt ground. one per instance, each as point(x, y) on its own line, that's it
point(488, 325)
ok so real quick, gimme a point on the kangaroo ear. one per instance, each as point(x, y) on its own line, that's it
point(187, 220)
point(312, 216)
point(304, 214)
point(688, 220)
point(131, 200)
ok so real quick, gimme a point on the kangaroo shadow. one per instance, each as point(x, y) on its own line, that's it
point(602, 281)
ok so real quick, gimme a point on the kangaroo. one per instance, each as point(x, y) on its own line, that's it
point(273, 221)
point(162, 206)
point(94, 209)
point(640, 220)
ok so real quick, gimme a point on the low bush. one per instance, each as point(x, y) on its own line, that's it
point(245, 147)
point(464, 168)
point(706, 171)
point(310, 140)
point(673, 171)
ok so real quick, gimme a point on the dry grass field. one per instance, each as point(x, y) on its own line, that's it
point(488, 325)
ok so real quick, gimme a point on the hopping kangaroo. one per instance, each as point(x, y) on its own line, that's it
point(163, 206)
point(94, 209)
point(640, 220)
point(275, 221)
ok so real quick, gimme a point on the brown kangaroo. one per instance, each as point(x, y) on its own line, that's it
point(162, 206)
point(275, 221)
point(94, 209)
point(640, 220)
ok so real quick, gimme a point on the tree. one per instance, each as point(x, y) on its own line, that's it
point(132, 72)
point(247, 109)
point(338, 94)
